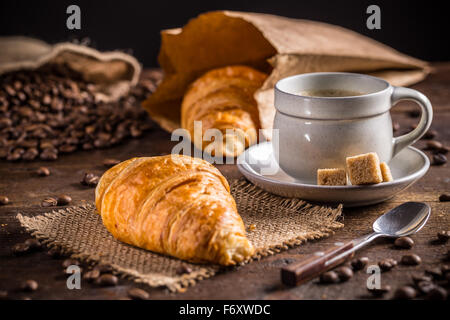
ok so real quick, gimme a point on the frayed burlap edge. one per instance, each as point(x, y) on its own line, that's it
point(239, 188)
point(174, 284)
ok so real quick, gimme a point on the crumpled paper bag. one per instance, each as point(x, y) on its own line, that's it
point(277, 45)
point(113, 73)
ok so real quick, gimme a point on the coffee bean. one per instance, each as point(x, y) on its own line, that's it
point(3, 153)
point(445, 269)
point(54, 252)
point(49, 155)
point(104, 268)
point(30, 154)
point(430, 134)
point(380, 291)
point(33, 244)
point(107, 279)
point(67, 148)
point(445, 197)
point(360, 263)
point(329, 277)
point(90, 179)
point(420, 278)
point(70, 262)
point(9, 90)
point(433, 145)
point(4, 200)
point(64, 200)
point(87, 146)
point(43, 172)
point(405, 293)
point(51, 104)
point(29, 285)
point(91, 275)
point(135, 132)
point(138, 294)
point(110, 162)
point(425, 286)
point(46, 99)
point(443, 236)
point(437, 293)
point(344, 273)
point(5, 123)
point(447, 278)
point(387, 264)
point(101, 143)
point(436, 273)
point(443, 150)
point(439, 159)
point(3, 294)
point(16, 154)
point(411, 259)
point(183, 269)
point(49, 202)
point(404, 242)
point(414, 113)
point(20, 249)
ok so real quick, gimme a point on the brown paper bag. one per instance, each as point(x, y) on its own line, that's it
point(112, 72)
point(277, 45)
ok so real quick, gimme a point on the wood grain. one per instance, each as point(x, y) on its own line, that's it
point(258, 280)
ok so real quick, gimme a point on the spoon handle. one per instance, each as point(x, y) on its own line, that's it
point(316, 264)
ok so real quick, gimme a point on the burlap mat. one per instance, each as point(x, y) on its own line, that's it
point(279, 223)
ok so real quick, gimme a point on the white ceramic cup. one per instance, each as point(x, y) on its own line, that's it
point(320, 132)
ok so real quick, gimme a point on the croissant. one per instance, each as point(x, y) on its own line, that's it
point(174, 205)
point(223, 99)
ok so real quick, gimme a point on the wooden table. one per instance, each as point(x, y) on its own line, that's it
point(257, 280)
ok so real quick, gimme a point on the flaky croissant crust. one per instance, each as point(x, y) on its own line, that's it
point(174, 205)
point(223, 99)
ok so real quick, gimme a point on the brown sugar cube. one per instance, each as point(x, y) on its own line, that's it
point(364, 169)
point(331, 177)
point(386, 172)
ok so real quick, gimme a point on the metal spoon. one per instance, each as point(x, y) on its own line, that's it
point(403, 220)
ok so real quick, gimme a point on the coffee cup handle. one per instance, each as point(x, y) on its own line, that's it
point(401, 93)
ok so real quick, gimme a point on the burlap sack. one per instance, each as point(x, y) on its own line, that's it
point(277, 224)
point(112, 72)
point(277, 45)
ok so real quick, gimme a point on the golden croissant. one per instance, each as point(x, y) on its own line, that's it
point(223, 99)
point(174, 205)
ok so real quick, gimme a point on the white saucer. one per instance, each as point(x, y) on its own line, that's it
point(407, 167)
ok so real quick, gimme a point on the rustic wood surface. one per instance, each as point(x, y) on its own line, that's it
point(258, 280)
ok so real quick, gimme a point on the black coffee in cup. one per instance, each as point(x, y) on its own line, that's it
point(330, 93)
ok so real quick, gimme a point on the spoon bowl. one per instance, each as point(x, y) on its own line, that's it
point(403, 220)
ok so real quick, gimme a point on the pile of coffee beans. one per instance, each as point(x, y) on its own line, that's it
point(430, 285)
point(44, 114)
